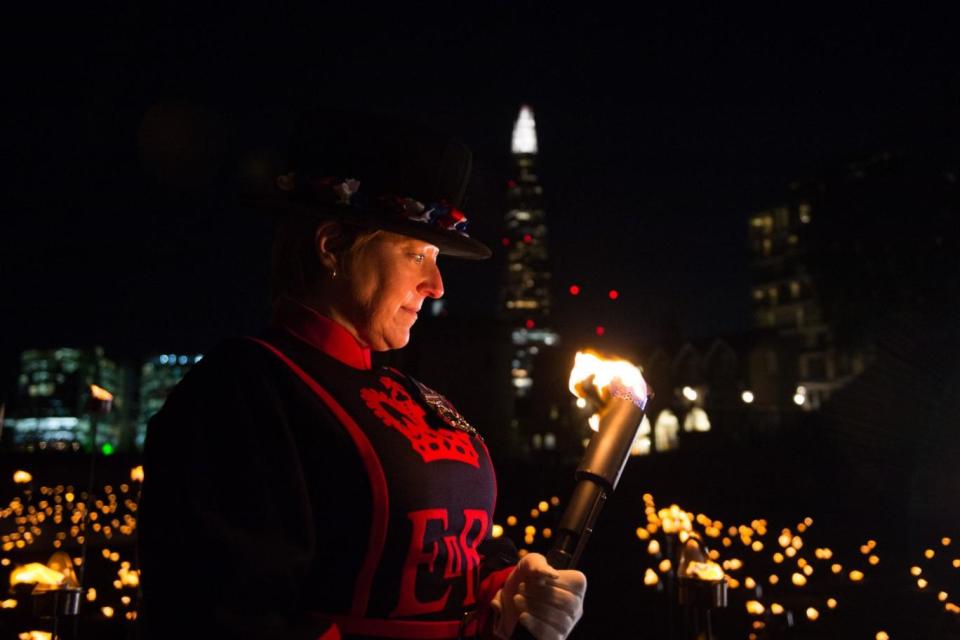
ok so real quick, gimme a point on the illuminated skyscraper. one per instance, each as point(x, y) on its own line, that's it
point(525, 295)
point(53, 393)
point(158, 376)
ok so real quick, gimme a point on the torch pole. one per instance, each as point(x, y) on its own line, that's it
point(597, 477)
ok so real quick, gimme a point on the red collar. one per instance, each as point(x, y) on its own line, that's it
point(321, 332)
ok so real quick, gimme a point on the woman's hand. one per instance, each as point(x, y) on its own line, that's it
point(547, 601)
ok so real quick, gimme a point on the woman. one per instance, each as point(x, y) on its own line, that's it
point(292, 489)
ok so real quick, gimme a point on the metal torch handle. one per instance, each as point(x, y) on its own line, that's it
point(574, 531)
point(597, 477)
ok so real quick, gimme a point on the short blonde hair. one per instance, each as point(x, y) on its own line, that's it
point(295, 268)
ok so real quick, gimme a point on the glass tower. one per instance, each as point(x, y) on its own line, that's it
point(525, 294)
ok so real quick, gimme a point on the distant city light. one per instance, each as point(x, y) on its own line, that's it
point(182, 360)
point(529, 324)
point(690, 393)
point(524, 132)
point(163, 359)
point(614, 294)
point(107, 449)
point(574, 290)
point(600, 331)
point(527, 238)
point(747, 396)
point(505, 242)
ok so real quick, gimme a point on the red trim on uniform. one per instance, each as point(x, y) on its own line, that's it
point(493, 507)
point(486, 616)
point(333, 633)
point(378, 485)
point(379, 628)
point(321, 332)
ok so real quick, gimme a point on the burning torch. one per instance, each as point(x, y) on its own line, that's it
point(618, 394)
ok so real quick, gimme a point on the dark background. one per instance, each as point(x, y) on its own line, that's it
point(130, 131)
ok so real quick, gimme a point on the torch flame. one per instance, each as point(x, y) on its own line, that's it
point(22, 477)
point(705, 571)
point(597, 379)
point(99, 393)
point(36, 573)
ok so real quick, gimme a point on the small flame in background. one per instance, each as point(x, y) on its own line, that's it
point(99, 393)
point(594, 378)
point(36, 573)
point(708, 570)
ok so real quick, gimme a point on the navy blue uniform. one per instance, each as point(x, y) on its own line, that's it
point(290, 488)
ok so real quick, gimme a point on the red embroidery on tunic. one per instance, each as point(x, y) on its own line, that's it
point(398, 410)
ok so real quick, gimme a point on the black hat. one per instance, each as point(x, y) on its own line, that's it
point(379, 173)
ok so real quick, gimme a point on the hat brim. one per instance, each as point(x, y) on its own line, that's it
point(450, 243)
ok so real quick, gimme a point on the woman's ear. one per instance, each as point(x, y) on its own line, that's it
point(328, 242)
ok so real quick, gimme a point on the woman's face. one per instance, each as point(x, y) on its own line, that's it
point(385, 284)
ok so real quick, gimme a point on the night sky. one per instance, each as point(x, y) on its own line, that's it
point(128, 134)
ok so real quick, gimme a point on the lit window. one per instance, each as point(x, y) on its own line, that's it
point(767, 246)
point(795, 289)
point(696, 420)
point(522, 383)
point(665, 431)
point(549, 441)
point(641, 444)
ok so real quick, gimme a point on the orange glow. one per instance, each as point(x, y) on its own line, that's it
point(831, 603)
point(36, 573)
point(710, 571)
point(22, 477)
point(593, 374)
point(856, 576)
point(99, 393)
point(755, 608)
